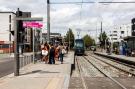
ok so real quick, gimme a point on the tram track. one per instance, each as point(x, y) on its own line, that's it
point(111, 78)
point(81, 75)
point(88, 71)
point(118, 65)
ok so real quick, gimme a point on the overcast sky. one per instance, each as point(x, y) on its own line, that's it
point(86, 17)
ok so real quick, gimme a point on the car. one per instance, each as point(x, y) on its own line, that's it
point(93, 48)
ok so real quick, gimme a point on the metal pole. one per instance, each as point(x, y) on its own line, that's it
point(105, 43)
point(96, 33)
point(33, 45)
point(48, 20)
point(69, 39)
point(10, 37)
point(16, 49)
point(101, 37)
point(101, 32)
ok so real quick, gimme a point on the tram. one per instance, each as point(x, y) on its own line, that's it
point(79, 47)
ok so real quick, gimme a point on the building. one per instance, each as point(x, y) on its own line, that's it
point(118, 33)
point(6, 25)
point(131, 39)
point(54, 37)
point(133, 27)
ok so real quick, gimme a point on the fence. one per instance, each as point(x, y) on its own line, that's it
point(27, 58)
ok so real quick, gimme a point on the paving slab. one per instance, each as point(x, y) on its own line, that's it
point(41, 76)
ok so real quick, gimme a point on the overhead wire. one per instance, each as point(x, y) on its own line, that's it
point(89, 2)
point(70, 2)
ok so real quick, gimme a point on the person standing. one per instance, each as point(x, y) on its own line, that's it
point(62, 51)
point(51, 54)
point(42, 48)
point(67, 49)
point(45, 53)
point(57, 53)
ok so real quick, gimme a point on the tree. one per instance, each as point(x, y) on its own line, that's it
point(103, 38)
point(70, 38)
point(88, 41)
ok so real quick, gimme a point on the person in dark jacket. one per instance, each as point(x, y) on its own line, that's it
point(51, 54)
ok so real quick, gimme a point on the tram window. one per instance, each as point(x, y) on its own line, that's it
point(79, 45)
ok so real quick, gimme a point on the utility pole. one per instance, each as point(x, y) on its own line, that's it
point(101, 32)
point(34, 45)
point(101, 37)
point(96, 33)
point(16, 42)
point(10, 34)
point(69, 38)
point(48, 20)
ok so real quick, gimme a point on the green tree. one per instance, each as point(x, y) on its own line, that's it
point(70, 38)
point(88, 41)
point(103, 38)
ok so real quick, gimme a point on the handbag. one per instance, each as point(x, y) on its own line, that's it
point(63, 51)
point(44, 52)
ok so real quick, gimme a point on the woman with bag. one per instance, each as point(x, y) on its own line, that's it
point(45, 53)
point(61, 54)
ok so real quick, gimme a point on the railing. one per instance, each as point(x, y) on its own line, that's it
point(27, 58)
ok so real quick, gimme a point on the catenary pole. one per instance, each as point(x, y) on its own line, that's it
point(101, 38)
point(69, 39)
point(48, 20)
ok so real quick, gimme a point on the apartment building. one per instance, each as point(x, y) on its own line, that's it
point(6, 25)
point(118, 33)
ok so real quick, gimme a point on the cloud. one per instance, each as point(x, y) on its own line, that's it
point(73, 16)
point(2, 8)
point(64, 13)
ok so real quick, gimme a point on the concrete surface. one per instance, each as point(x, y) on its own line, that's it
point(41, 76)
point(121, 57)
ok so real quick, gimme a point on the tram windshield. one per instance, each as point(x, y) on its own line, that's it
point(79, 44)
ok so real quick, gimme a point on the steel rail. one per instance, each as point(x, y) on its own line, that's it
point(126, 64)
point(79, 69)
point(113, 65)
point(122, 86)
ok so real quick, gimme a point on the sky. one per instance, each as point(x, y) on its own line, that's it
point(81, 18)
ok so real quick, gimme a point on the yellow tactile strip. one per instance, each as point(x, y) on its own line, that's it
point(56, 83)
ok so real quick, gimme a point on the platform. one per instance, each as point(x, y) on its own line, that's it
point(41, 76)
point(130, 60)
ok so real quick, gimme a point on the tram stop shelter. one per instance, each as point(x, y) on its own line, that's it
point(131, 42)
